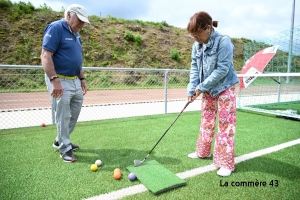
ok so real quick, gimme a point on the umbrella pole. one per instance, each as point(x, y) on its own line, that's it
point(273, 79)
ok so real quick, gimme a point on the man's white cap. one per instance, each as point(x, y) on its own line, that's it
point(80, 12)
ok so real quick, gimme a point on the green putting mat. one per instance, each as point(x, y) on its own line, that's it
point(155, 177)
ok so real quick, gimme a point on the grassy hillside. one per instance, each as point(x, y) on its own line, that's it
point(107, 42)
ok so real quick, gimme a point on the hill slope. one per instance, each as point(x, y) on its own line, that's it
point(107, 42)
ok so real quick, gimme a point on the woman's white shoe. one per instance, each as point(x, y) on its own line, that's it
point(195, 155)
point(224, 172)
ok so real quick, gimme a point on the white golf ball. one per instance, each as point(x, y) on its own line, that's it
point(98, 162)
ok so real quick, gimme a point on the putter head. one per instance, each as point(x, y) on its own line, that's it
point(137, 163)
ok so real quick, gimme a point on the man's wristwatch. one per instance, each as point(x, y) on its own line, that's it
point(53, 77)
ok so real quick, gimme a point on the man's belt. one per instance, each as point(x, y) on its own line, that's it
point(67, 77)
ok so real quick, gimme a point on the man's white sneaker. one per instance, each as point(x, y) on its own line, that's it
point(195, 155)
point(224, 172)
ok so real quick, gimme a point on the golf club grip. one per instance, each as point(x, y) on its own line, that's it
point(169, 126)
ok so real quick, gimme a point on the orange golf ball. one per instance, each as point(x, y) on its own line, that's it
point(117, 175)
point(117, 170)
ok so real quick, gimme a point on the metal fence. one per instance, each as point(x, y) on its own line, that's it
point(123, 92)
point(287, 58)
point(112, 93)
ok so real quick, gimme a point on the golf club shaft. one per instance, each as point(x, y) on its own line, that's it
point(168, 129)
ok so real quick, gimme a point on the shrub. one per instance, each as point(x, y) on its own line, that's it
point(160, 26)
point(5, 4)
point(26, 8)
point(130, 80)
point(105, 80)
point(138, 39)
point(152, 81)
point(164, 23)
point(174, 80)
point(129, 36)
point(174, 54)
point(45, 8)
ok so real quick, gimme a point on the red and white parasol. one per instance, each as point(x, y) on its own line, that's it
point(256, 64)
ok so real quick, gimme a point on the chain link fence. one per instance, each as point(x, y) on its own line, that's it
point(115, 93)
point(287, 58)
point(112, 93)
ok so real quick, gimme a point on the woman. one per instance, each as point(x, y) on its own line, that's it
point(212, 74)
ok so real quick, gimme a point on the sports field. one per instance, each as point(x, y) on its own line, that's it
point(32, 169)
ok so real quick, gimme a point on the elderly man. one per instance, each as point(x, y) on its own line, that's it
point(62, 62)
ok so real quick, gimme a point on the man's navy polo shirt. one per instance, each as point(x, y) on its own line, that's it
point(65, 46)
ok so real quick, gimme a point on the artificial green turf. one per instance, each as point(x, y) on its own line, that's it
point(155, 177)
point(31, 169)
point(293, 105)
point(279, 170)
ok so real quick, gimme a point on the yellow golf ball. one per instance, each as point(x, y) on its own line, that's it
point(94, 167)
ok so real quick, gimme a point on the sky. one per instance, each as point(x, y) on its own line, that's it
point(251, 19)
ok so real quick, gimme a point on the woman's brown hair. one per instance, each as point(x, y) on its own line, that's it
point(200, 21)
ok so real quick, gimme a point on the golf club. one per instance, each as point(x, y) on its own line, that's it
point(139, 162)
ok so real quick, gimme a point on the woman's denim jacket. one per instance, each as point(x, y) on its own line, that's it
point(214, 71)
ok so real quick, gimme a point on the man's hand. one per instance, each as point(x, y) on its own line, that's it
point(84, 86)
point(57, 90)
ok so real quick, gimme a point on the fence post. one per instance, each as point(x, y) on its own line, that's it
point(279, 90)
point(166, 91)
point(291, 43)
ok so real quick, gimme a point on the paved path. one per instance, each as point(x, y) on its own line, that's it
point(35, 117)
point(33, 109)
point(23, 100)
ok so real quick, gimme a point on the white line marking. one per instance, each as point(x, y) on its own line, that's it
point(118, 194)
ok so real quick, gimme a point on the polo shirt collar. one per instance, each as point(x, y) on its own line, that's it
point(66, 26)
